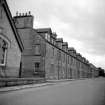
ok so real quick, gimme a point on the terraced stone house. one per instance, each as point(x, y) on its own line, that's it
point(47, 56)
point(26, 52)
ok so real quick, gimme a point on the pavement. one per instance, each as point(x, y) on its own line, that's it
point(14, 88)
point(20, 87)
point(78, 92)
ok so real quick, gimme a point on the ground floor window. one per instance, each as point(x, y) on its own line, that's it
point(37, 67)
point(38, 71)
point(3, 55)
point(70, 73)
point(52, 68)
point(3, 51)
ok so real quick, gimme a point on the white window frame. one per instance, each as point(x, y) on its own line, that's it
point(6, 49)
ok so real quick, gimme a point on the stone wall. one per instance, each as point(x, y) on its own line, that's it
point(4, 82)
point(13, 56)
point(51, 62)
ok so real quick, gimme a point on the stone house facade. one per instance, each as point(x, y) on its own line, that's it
point(47, 56)
point(29, 53)
point(10, 44)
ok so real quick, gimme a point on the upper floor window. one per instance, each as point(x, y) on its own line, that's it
point(37, 49)
point(53, 51)
point(38, 40)
point(64, 57)
point(68, 59)
point(52, 41)
point(71, 60)
point(59, 55)
point(74, 61)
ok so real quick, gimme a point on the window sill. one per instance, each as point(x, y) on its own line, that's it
point(37, 54)
point(2, 65)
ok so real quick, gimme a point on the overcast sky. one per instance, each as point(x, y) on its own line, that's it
point(79, 22)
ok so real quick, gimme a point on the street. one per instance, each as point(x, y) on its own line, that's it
point(79, 92)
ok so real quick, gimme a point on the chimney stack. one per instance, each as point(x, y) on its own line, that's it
point(24, 20)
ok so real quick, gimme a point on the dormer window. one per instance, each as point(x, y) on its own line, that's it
point(52, 41)
point(47, 36)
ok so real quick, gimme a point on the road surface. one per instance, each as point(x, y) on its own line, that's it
point(79, 92)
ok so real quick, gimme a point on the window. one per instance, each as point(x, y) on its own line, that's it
point(53, 51)
point(52, 68)
point(0, 13)
point(37, 50)
point(37, 67)
point(47, 36)
point(63, 57)
point(71, 60)
point(59, 55)
point(74, 61)
point(68, 59)
point(3, 51)
point(38, 40)
point(1, 30)
point(52, 41)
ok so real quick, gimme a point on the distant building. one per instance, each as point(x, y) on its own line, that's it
point(101, 72)
point(10, 44)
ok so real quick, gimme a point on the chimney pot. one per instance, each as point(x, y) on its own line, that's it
point(17, 13)
point(23, 14)
point(29, 12)
point(26, 14)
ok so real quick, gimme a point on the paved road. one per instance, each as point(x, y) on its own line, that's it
point(80, 92)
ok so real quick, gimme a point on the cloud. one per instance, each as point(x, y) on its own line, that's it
point(79, 22)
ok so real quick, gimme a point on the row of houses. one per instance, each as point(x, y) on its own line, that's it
point(26, 52)
point(46, 55)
